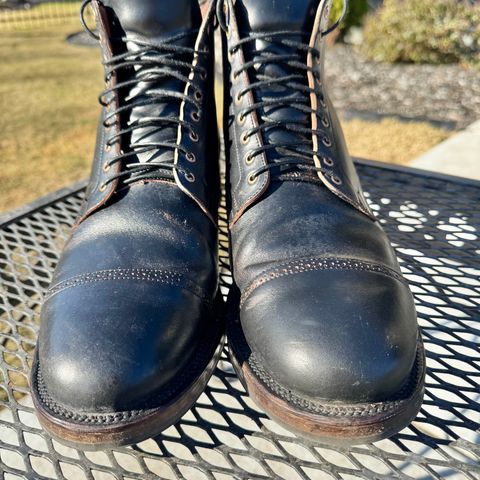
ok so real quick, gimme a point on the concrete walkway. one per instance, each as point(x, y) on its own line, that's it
point(458, 155)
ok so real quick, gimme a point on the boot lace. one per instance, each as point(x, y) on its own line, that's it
point(289, 76)
point(151, 64)
point(294, 154)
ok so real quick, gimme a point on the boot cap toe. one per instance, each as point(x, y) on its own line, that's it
point(335, 334)
point(109, 345)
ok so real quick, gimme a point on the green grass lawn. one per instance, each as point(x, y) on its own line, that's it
point(49, 111)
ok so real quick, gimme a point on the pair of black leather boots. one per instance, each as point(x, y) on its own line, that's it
point(321, 327)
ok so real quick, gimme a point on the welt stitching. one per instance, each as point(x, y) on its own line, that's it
point(313, 264)
point(408, 390)
point(150, 275)
point(338, 410)
point(196, 365)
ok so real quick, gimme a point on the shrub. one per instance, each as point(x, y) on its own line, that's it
point(424, 31)
point(355, 14)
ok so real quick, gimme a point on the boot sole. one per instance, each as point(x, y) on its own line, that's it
point(97, 431)
point(332, 423)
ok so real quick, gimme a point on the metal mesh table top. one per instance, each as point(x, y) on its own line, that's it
point(434, 224)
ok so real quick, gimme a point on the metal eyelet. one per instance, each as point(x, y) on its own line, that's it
point(327, 142)
point(190, 177)
point(327, 161)
point(241, 119)
point(193, 137)
point(195, 116)
point(190, 157)
point(252, 179)
point(325, 122)
point(322, 104)
point(238, 99)
point(248, 159)
point(108, 147)
point(203, 75)
point(102, 187)
point(106, 167)
point(336, 180)
point(245, 139)
point(198, 95)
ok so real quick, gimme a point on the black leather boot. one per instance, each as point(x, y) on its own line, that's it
point(129, 332)
point(323, 330)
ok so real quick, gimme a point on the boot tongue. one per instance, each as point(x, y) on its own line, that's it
point(263, 16)
point(155, 19)
point(154, 22)
point(269, 15)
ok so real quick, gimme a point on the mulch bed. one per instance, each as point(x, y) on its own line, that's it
point(448, 95)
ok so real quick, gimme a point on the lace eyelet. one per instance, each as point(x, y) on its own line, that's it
point(325, 122)
point(106, 167)
point(252, 179)
point(328, 161)
point(195, 116)
point(248, 159)
point(190, 157)
point(190, 177)
point(193, 137)
point(245, 139)
point(322, 104)
point(327, 142)
point(198, 95)
point(241, 119)
point(102, 187)
point(238, 99)
point(203, 76)
point(336, 180)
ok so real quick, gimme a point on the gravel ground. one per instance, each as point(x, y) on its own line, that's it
point(447, 95)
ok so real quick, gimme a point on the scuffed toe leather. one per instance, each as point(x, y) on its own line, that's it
point(359, 349)
point(115, 338)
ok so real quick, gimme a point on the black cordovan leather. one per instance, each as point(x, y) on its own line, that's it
point(134, 288)
point(324, 307)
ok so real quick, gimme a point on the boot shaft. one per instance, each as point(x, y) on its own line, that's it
point(158, 120)
point(280, 120)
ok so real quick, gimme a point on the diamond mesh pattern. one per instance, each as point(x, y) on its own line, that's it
point(434, 225)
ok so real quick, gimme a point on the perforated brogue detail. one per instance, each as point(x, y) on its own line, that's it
point(310, 264)
point(167, 277)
